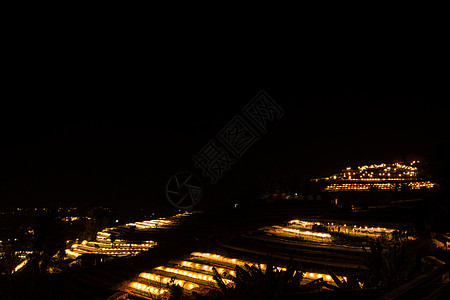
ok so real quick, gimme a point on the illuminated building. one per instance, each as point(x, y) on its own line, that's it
point(379, 177)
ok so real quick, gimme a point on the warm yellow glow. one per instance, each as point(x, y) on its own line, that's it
point(20, 266)
point(305, 224)
point(118, 248)
point(223, 259)
point(164, 279)
point(304, 232)
point(378, 186)
point(192, 280)
point(310, 235)
point(147, 288)
point(397, 176)
point(313, 276)
point(72, 253)
point(195, 275)
point(203, 267)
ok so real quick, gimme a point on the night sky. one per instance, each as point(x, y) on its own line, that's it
point(85, 132)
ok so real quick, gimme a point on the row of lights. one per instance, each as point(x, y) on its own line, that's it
point(147, 288)
point(309, 223)
point(194, 275)
point(398, 165)
point(105, 235)
point(203, 267)
point(307, 235)
point(372, 230)
point(379, 179)
point(120, 247)
point(231, 261)
point(305, 224)
point(359, 186)
point(162, 278)
point(19, 254)
point(387, 169)
point(355, 228)
point(144, 225)
point(150, 224)
point(381, 186)
point(108, 249)
point(301, 232)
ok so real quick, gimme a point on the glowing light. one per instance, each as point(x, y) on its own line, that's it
point(298, 232)
point(20, 266)
point(397, 176)
point(147, 288)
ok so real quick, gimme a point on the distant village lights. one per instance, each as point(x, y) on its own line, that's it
point(394, 177)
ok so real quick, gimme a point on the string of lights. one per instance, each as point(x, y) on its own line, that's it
point(393, 177)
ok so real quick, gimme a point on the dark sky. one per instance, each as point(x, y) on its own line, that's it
point(88, 128)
